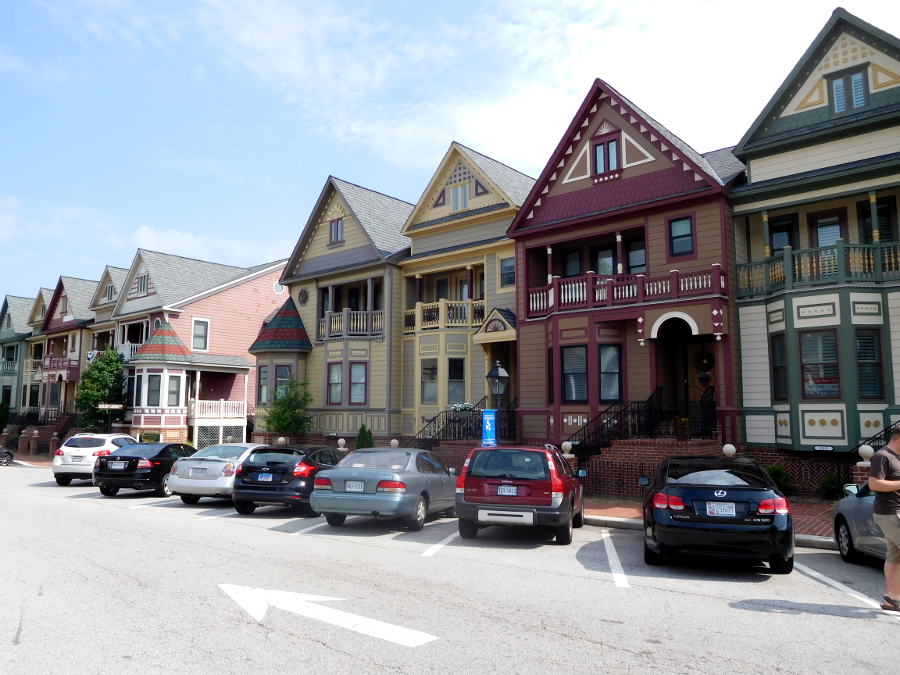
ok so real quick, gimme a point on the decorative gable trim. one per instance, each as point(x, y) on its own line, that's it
point(629, 142)
point(882, 77)
point(583, 156)
point(497, 327)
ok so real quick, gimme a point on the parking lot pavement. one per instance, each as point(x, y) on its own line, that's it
point(95, 585)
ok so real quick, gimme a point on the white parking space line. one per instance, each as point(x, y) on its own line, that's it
point(309, 529)
point(232, 512)
point(844, 589)
point(144, 506)
point(441, 544)
point(618, 574)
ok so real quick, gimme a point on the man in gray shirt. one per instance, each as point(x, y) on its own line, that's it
point(884, 481)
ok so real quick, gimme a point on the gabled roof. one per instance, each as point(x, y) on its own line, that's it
point(514, 184)
point(116, 276)
point(162, 345)
point(840, 21)
point(725, 164)
point(44, 296)
point(379, 217)
point(78, 294)
point(19, 310)
point(284, 332)
point(499, 326)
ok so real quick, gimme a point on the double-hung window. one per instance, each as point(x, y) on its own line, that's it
point(429, 381)
point(282, 377)
point(637, 257)
point(574, 374)
point(782, 232)
point(868, 363)
point(572, 262)
point(606, 156)
point(507, 272)
point(201, 335)
point(819, 364)
point(849, 92)
point(461, 197)
point(456, 380)
point(681, 236)
point(174, 391)
point(262, 386)
point(779, 368)
point(337, 231)
point(610, 373)
point(110, 292)
point(142, 283)
point(335, 380)
point(357, 383)
point(154, 382)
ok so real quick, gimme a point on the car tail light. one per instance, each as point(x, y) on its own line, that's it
point(228, 470)
point(144, 464)
point(676, 503)
point(781, 506)
point(239, 470)
point(174, 470)
point(766, 506)
point(60, 453)
point(391, 486)
point(101, 453)
point(660, 501)
point(322, 484)
point(96, 464)
point(302, 470)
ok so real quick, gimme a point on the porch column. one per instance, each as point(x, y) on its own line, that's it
point(197, 388)
point(767, 250)
point(370, 294)
point(330, 307)
point(419, 288)
point(549, 265)
point(471, 291)
point(620, 253)
point(873, 211)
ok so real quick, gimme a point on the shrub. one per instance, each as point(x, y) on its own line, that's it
point(781, 477)
point(364, 439)
point(831, 487)
point(287, 413)
point(102, 382)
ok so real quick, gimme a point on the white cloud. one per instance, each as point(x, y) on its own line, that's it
point(215, 248)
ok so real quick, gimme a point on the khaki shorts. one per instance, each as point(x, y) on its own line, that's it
point(890, 525)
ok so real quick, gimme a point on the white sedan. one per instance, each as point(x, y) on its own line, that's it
point(209, 473)
point(75, 458)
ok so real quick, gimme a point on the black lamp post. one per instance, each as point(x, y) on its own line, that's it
point(497, 379)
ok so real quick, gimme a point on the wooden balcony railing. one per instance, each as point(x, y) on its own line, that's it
point(468, 314)
point(217, 409)
point(347, 323)
point(58, 362)
point(33, 365)
point(128, 349)
point(816, 266)
point(593, 291)
point(8, 366)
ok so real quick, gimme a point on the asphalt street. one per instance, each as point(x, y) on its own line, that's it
point(135, 583)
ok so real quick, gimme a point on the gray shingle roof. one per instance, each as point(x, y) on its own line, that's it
point(514, 183)
point(221, 360)
point(338, 260)
point(118, 275)
point(724, 163)
point(79, 292)
point(509, 315)
point(176, 278)
point(382, 217)
point(19, 309)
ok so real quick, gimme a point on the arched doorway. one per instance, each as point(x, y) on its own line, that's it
point(685, 364)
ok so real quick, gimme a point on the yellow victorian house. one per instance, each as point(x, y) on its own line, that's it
point(459, 294)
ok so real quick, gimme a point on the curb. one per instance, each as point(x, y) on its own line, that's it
point(21, 463)
point(802, 540)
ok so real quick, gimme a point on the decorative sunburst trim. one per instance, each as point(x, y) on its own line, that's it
point(604, 128)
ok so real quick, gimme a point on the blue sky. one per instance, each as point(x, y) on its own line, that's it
point(207, 128)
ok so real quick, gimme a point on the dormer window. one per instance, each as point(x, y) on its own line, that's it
point(43, 311)
point(461, 197)
point(110, 291)
point(63, 305)
point(142, 283)
point(606, 156)
point(849, 92)
point(336, 231)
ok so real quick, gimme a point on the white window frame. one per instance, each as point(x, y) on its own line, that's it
point(143, 280)
point(194, 321)
point(460, 197)
point(110, 293)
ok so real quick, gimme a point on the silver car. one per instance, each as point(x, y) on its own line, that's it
point(208, 473)
point(855, 529)
point(386, 483)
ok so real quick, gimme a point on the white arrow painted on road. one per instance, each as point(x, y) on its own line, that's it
point(257, 600)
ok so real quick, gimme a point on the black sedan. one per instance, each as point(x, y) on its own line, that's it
point(717, 506)
point(282, 475)
point(143, 466)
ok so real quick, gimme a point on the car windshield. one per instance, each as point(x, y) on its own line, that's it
point(221, 451)
point(82, 442)
point(519, 464)
point(388, 459)
point(275, 456)
point(712, 473)
point(137, 451)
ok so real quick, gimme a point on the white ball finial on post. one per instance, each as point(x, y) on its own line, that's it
point(341, 443)
point(866, 452)
point(395, 443)
point(566, 447)
point(729, 450)
point(281, 440)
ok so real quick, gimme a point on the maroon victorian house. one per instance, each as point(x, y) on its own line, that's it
point(626, 310)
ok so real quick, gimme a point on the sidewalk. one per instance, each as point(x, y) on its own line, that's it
point(41, 461)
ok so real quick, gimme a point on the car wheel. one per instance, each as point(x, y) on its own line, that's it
point(779, 565)
point(335, 519)
point(651, 557)
point(451, 512)
point(63, 480)
point(109, 491)
point(417, 522)
point(163, 490)
point(245, 508)
point(845, 543)
point(190, 499)
point(564, 532)
point(5, 459)
point(467, 529)
point(579, 518)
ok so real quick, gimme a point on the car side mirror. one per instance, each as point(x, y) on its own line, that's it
point(452, 472)
point(643, 481)
point(582, 473)
point(850, 489)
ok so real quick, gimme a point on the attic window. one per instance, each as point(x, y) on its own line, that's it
point(142, 283)
point(849, 92)
point(336, 228)
point(8, 321)
point(63, 305)
point(43, 310)
point(607, 162)
point(110, 291)
point(461, 197)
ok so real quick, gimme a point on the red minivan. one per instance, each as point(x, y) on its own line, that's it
point(519, 486)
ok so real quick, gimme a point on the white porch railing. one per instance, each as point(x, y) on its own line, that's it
point(217, 409)
point(8, 366)
point(128, 349)
point(348, 323)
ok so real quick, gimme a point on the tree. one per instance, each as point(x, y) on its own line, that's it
point(287, 413)
point(364, 438)
point(102, 382)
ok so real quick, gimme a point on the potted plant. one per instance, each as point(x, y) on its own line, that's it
point(464, 409)
point(682, 427)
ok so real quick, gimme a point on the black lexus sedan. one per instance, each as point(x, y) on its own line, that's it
point(142, 466)
point(281, 475)
point(717, 506)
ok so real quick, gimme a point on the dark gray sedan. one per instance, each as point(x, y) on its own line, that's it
point(386, 483)
point(855, 529)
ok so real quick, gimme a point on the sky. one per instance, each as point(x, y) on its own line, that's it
point(207, 128)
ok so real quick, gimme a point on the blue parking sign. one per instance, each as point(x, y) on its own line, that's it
point(489, 429)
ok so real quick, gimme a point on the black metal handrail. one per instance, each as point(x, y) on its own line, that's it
point(880, 439)
point(450, 425)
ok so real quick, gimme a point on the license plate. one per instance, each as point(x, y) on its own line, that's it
point(354, 486)
point(265, 477)
point(507, 490)
point(194, 473)
point(720, 508)
point(77, 458)
point(117, 465)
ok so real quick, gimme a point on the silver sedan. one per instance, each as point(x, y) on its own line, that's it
point(386, 483)
point(855, 529)
point(210, 472)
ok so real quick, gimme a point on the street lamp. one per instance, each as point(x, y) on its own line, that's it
point(497, 379)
